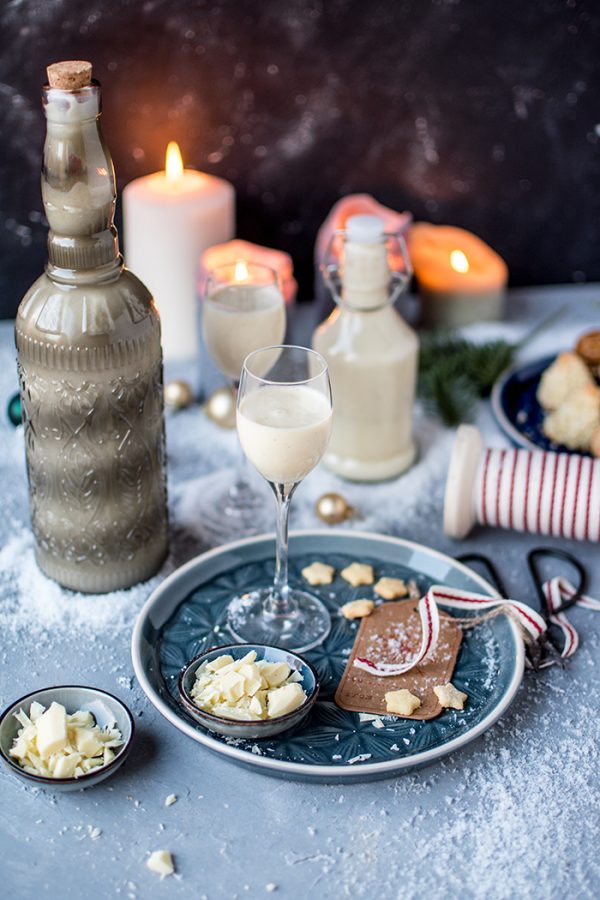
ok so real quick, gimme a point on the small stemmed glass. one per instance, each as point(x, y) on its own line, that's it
point(284, 413)
point(243, 309)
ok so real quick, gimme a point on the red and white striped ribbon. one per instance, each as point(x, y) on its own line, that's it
point(557, 591)
point(430, 630)
point(542, 493)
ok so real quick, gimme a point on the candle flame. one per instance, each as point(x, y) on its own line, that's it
point(459, 261)
point(240, 273)
point(173, 162)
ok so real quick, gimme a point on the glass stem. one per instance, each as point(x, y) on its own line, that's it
point(241, 483)
point(240, 478)
point(280, 603)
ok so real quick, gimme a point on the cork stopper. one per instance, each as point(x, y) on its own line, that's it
point(70, 75)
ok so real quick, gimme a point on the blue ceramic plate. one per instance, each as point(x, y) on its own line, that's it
point(186, 615)
point(516, 408)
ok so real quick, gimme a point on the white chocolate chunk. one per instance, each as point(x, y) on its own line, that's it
point(357, 609)
point(449, 696)
point(275, 673)
point(257, 707)
point(35, 711)
point(161, 862)
point(87, 743)
point(215, 664)
point(81, 718)
point(22, 718)
point(401, 703)
point(358, 573)
point(318, 573)
point(64, 766)
point(252, 679)
point(232, 686)
point(284, 699)
point(51, 730)
point(391, 588)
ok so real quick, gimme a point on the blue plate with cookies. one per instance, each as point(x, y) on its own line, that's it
point(551, 403)
point(186, 616)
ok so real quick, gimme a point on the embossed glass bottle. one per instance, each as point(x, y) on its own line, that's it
point(90, 367)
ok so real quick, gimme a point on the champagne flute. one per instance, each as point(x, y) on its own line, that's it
point(243, 309)
point(284, 414)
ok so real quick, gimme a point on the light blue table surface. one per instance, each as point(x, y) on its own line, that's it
point(513, 815)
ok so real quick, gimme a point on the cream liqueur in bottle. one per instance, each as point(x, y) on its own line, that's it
point(372, 357)
point(90, 367)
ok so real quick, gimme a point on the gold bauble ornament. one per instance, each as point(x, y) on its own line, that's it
point(220, 407)
point(178, 394)
point(333, 509)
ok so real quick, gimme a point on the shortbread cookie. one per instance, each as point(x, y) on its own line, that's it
point(401, 703)
point(318, 573)
point(358, 573)
point(391, 588)
point(449, 696)
point(357, 609)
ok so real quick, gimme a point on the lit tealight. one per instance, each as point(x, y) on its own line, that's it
point(459, 261)
point(240, 272)
point(173, 162)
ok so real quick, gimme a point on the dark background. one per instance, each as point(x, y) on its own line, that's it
point(481, 113)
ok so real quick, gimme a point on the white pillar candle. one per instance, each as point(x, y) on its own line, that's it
point(169, 218)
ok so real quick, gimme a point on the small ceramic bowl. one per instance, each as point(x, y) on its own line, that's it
point(106, 710)
point(256, 729)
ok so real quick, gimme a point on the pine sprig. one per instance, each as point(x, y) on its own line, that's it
point(455, 373)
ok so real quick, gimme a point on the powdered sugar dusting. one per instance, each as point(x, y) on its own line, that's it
point(35, 604)
point(500, 821)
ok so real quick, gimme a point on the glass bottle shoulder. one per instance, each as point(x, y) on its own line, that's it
point(382, 332)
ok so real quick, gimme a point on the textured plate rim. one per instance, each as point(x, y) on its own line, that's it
point(516, 436)
point(331, 773)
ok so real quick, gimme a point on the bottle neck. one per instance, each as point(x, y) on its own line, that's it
point(78, 186)
point(365, 277)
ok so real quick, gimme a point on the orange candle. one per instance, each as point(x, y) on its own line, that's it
point(460, 278)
